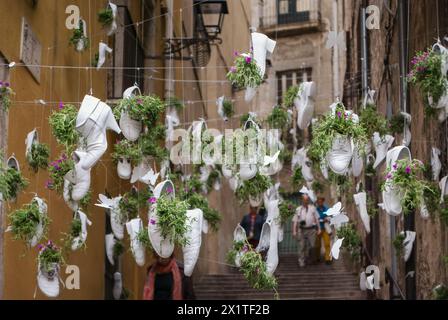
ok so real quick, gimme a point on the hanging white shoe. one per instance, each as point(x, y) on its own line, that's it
point(357, 163)
point(407, 130)
point(408, 244)
point(43, 211)
point(113, 26)
point(48, 280)
point(31, 139)
point(113, 205)
point(66, 194)
point(361, 204)
point(124, 168)
point(130, 128)
point(220, 105)
point(118, 286)
point(381, 145)
point(233, 183)
point(443, 188)
point(336, 248)
point(78, 177)
point(436, 165)
point(248, 171)
point(79, 241)
point(102, 51)
point(94, 118)
point(262, 45)
point(305, 164)
point(110, 242)
point(340, 155)
point(134, 227)
point(194, 236)
point(239, 235)
point(306, 98)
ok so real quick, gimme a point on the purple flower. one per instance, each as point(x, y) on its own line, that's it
point(152, 221)
point(339, 114)
point(1, 83)
point(408, 170)
point(49, 243)
point(248, 59)
point(61, 105)
point(40, 247)
point(236, 53)
point(140, 101)
point(64, 157)
point(57, 168)
point(169, 190)
point(233, 70)
point(395, 166)
point(6, 84)
point(152, 200)
point(388, 176)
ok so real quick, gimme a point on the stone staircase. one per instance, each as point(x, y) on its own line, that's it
point(315, 282)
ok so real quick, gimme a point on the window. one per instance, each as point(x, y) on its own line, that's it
point(290, 11)
point(288, 78)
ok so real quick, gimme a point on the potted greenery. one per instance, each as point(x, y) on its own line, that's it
point(125, 155)
point(198, 201)
point(58, 169)
point(30, 222)
point(228, 108)
point(214, 179)
point(5, 95)
point(297, 179)
point(398, 243)
point(79, 37)
point(245, 73)
point(107, 18)
point(49, 261)
point(11, 183)
point(333, 136)
point(143, 238)
point(352, 240)
point(396, 124)
point(404, 179)
point(63, 126)
point(150, 144)
point(279, 118)
point(372, 121)
point(290, 97)
point(253, 189)
point(38, 157)
point(147, 109)
point(287, 210)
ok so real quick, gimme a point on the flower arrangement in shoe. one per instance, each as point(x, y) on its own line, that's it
point(106, 17)
point(404, 176)
point(194, 185)
point(290, 95)
point(213, 179)
point(130, 204)
point(332, 125)
point(373, 121)
point(198, 201)
point(125, 149)
point(279, 118)
point(426, 73)
point(5, 95)
point(228, 109)
point(171, 219)
point(63, 126)
point(297, 179)
point(398, 243)
point(50, 257)
point(396, 124)
point(253, 188)
point(78, 39)
point(287, 211)
point(58, 169)
point(118, 249)
point(352, 239)
point(143, 238)
point(147, 109)
point(149, 144)
point(11, 182)
point(237, 247)
point(28, 222)
point(245, 73)
point(74, 232)
point(38, 157)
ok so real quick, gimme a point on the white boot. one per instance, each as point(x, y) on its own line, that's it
point(361, 203)
point(118, 286)
point(48, 280)
point(81, 239)
point(340, 155)
point(381, 145)
point(138, 250)
point(408, 244)
point(124, 168)
point(110, 244)
point(102, 51)
point(94, 118)
point(43, 211)
point(78, 177)
point(194, 236)
point(262, 45)
point(306, 98)
point(436, 165)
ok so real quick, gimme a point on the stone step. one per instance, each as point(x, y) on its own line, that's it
point(350, 295)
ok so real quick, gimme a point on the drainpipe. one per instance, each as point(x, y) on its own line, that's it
point(364, 58)
point(169, 85)
point(335, 53)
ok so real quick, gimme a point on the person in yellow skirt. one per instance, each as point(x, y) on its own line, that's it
point(325, 235)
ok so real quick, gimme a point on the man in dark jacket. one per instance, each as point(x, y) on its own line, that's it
point(252, 223)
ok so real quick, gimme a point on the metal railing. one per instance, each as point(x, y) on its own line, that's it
point(281, 12)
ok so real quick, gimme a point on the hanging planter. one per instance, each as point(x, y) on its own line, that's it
point(58, 169)
point(198, 201)
point(279, 118)
point(351, 240)
point(78, 231)
point(11, 180)
point(63, 126)
point(290, 97)
point(253, 189)
point(403, 190)
point(126, 155)
point(79, 38)
point(305, 104)
point(287, 211)
point(49, 261)
point(5, 95)
point(29, 223)
point(107, 17)
point(225, 108)
point(139, 240)
point(245, 74)
point(334, 139)
point(36, 153)
point(131, 128)
point(120, 208)
point(193, 234)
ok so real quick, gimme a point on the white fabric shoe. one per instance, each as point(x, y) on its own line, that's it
point(31, 138)
point(336, 248)
point(81, 239)
point(357, 163)
point(102, 51)
point(239, 235)
point(194, 235)
point(131, 128)
point(381, 145)
point(220, 105)
point(306, 99)
point(116, 222)
point(78, 177)
point(110, 244)
point(138, 250)
point(73, 205)
point(124, 168)
point(408, 244)
point(443, 188)
point(113, 26)
point(82, 43)
point(162, 246)
point(48, 280)
point(361, 204)
point(43, 210)
point(324, 169)
point(248, 171)
point(118, 286)
point(340, 155)
point(262, 45)
point(94, 118)
point(307, 171)
point(436, 165)
point(407, 130)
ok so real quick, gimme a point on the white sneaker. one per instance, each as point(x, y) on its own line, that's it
point(340, 155)
point(381, 145)
point(262, 45)
point(138, 250)
point(408, 244)
point(110, 244)
point(306, 98)
point(116, 222)
point(357, 163)
point(81, 238)
point(124, 168)
point(113, 26)
point(336, 248)
point(436, 165)
point(443, 188)
point(361, 204)
point(78, 177)
point(118, 286)
point(130, 128)
point(103, 49)
point(248, 171)
point(194, 235)
point(31, 139)
point(43, 210)
point(48, 280)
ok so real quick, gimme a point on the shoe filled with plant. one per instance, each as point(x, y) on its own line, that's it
point(228, 109)
point(287, 209)
point(38, 157)
point(373, 121)
point(245, 73)
point(58, 169)
point(290, 95)
point(279, 118)
point(6, 93)
point(79, 39)
point(198, 201)
point(124, 149)
point(253, 188)
point(106, 17)
point(297, 179)
point(352, 240)
point(11, 182)
point(147, 109)
point(143, 238)
point(398, 243)
point(63, 126)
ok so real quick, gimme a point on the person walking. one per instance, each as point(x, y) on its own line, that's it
point(325, 235)
point(252, 223)
point(305, 228)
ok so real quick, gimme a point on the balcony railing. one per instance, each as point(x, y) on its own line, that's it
point(285, 17)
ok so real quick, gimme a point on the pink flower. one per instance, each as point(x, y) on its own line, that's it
point(339, 114)
point(169, 190)
point(152, 200)
point(395, 166)
point(152, 221)
point(233, 70)
point(248, 59)
point(61, 105)
point(6, 84)
point(235, 53)
point(388, 176)
point(408, 170)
